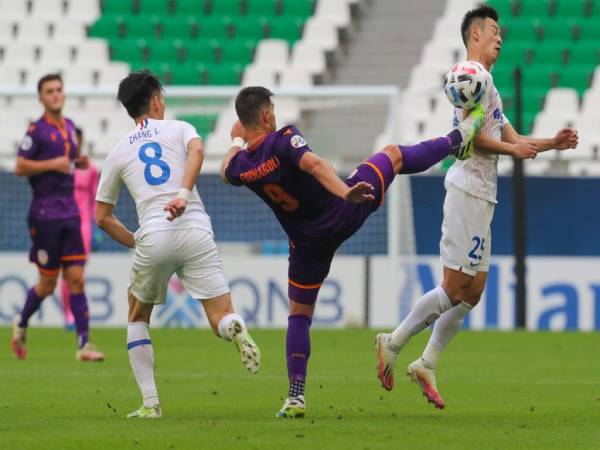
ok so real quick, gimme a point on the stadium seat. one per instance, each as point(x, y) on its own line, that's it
point(190, 8)
point(584, 168)
point(562, 102)
point(558, 29)
point(48, 9)
point(204, 124)
point(576, 76)
point(295, 77)
point(20, 54)
point(504, 8)
point(425, 77)
point(201, 51)
point(237, 50)
point(13, 9)
point(298, 8)
point(571, 8)
point(267, 8)
point(591, 102)
point(34, 31)
point(585, 52)
point(78, 76)
point(166, 50)
point(517, 52)
point(309, 57)
point(125, 7)
point(192, 73)
point(7, 30)
point(158, 7)
point(68, 31)
point(11, 77)
point(142, 27)
point(321, 32)
point(523, 29)
point(129, 50)
point(56, 54)
point(108, 27)
point(259, 76)
point(334, 11)
point(250, 27)
point(273, 54)
point(83, 10)
point(534, 8)
point(554, 53)
point(541, 76)
point(92, 51)
point(589, 30)
point(224, 74)
point(226, 7)
point(288, 28)
point(547, 124)
point(536, 167)
point(214, 27)
point(176, 27)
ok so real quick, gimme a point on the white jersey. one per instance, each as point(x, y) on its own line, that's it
point(478, 175)
point(150, 160)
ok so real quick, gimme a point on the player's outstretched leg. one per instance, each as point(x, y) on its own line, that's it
point(21, 321)
point(297, 352)
point(232, 328)
point(426, 310)
point(425, 378)
point(424, 155)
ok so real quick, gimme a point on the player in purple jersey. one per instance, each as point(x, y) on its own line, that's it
point(47, 156)
point(316, 208)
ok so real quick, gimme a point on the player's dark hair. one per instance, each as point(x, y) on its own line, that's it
point(481, 12)
point(136, 91)
point(249, 103)
point(46, 78)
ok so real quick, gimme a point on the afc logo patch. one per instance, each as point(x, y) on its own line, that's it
point(42, 257)
point(297, 141)
point(497, 114)
point(26, 143)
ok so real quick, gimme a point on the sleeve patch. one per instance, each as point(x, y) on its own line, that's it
point(26, 143)
point(297, 141)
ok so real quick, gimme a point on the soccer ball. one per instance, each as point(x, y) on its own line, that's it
point(465, 84)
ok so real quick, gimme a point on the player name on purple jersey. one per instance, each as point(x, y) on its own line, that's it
point(52, 191)
point(271, 169)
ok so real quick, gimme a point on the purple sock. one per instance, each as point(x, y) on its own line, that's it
point(420, 157)
point(79, 308)
point(32, 304)
point(297, 346)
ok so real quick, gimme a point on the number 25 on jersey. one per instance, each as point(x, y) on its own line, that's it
point(150, 154)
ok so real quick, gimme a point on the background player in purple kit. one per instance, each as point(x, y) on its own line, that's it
point(317, 209)
point(47, 158)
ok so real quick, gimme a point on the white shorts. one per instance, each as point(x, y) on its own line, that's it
point(191, 253)
point(466, 235)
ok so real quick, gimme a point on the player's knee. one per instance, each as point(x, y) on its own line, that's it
point(76, 283)
point(46, 287)
point(456, 291)
point(393, 152)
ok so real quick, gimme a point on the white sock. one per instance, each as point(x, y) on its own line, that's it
point(444, 330)
point(141, 358)
point(224, 324)
point(427, 309)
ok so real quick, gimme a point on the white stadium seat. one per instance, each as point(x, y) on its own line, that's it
point(562, 102)
point(547, 124)
point(321, 32)
point(111, 75)
point(78, 76)
point(309, 57)
point(20, 54)
point(92, 52)
point(7, 30)
point(217, 145)
point(427, 78)
point(11, 77)
point(295, 77)
point(83, 10)
point(259, 76)
point(48, 9)
point(584, 168)
point(71, 31)
point(13, 9)
point(336, 11)
point(56, 54)
point(272, 54)
point(536, 166)
point(591, 102)
point(34, 31)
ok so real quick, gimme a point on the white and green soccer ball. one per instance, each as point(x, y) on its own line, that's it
point(465, 83)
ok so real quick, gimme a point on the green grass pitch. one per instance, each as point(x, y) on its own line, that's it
point(502, 391)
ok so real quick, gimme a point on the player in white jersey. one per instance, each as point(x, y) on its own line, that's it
point(468, 210)
point(159, 161)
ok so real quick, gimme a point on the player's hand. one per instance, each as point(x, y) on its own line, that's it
point(238, 130)
point(175, 208)
point(62, 164)
point(360, 192)
point(82, 162)
point(525, 150)
point(565, 138)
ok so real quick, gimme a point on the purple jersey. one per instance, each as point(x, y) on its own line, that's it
point(271, 169)
point(52, 191)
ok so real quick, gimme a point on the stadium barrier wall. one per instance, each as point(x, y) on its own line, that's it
point(258, 286)
point(563, 292)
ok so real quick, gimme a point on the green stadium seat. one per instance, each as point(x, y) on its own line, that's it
point(146, 27)
point(559, 29)
point(585, 52)
point(188, 74)
point(161, 69)
point(550, 52)
point(204, 124)
point(534, 8)
point(166, 50)
point(288, 28)
point(224, 74)
point(540, 77)
point(124, 7)
point(109, 27)
point(522, 29)
point(240, 51)
point(202, 51)
point(151, 7)
point(188, 8)
point(299, 8)
point(504, 8)
point(226, 7)
point(176, 27)
point(503, 75)
point(589, 29)
point(571, 8)
point(214, 27)
point(268, 8)
point(576, 76)
point(516, 52)
point(251, 27)
point(130, 50)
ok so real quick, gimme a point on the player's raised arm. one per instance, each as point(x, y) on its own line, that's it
point(238, 140)
point(325, 174)
point(193, 164)
point(565, 138)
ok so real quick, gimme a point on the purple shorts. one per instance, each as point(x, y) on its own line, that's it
point(56, 243)
point(310, 261)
